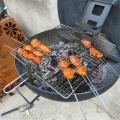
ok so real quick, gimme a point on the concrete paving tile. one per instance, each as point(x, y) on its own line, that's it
point(45, 109)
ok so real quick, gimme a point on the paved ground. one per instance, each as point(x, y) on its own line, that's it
point(46, 109)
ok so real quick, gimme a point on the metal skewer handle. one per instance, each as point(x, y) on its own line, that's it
point(95, 91)
point(13, 82)
point(77, 100)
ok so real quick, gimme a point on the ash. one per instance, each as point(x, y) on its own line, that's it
point(108, 75)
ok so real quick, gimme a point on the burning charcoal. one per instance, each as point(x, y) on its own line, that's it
point(69, 53)
point(74, 53)
point(54, 57)
point(72, 66)
point(53, 61)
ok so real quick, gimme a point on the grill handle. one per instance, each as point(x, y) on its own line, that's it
point(4, 89)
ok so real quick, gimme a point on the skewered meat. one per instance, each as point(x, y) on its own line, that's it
point(86, 43)
point(31, 56)
point(28, 48)
point(38, 53)
point(36, 60)
point(35, 42)
point(68, 73)
point(25, 53)
point(75, 60)
point(20, 50)
point(80, 69)
point(63, 64)
point(95, 53)
point(44, 48)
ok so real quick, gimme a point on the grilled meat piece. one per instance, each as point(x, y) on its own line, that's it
point(86, 43)
point(36, 60)
point(28, 48)
point(95, 53)
point(68, 73)
point(63, 64)
point(80, 69)
point(20, 51)
point(38, 53)
point(31, 56)
point(25, 53)
point(35, 42)
point(75, 60)
point(44, 48)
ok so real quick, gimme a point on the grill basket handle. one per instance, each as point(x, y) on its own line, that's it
point(4, 89)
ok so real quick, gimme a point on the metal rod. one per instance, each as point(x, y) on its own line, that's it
point(16, 40)
point(10, 111)
point(77, 100)
point(22, 96)
point(95, 91)
point(8, 47)
point(13, 82)
point(28, 66)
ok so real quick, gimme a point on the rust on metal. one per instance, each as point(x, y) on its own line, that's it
point(10, 35)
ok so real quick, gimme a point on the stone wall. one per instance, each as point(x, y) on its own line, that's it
point(33, 16)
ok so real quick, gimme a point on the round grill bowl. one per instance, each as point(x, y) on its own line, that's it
point(55, 96)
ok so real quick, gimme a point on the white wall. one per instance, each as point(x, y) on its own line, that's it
point(33, 16)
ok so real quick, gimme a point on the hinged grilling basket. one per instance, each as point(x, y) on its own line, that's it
point(60, 40)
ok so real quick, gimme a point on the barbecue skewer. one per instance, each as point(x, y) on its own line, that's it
point(80, 69)
point(77, 100)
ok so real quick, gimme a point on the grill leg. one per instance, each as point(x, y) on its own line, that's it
point(26, 98)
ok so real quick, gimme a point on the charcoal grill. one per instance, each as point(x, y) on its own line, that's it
point(46, 79)
point(100, 71)
point(60, 40)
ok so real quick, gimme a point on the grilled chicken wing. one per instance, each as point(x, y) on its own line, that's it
point(36, 60)
point(95, 53)
point(80, 69)
point(63, 64)
point(20, 51)
point(31, 56)
point(44, 48)
point(28, 48)
point(75, 60)
point(25, 53)
point(38, 53)
point(86, 43)
point(35, 42)
point(68, 73)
